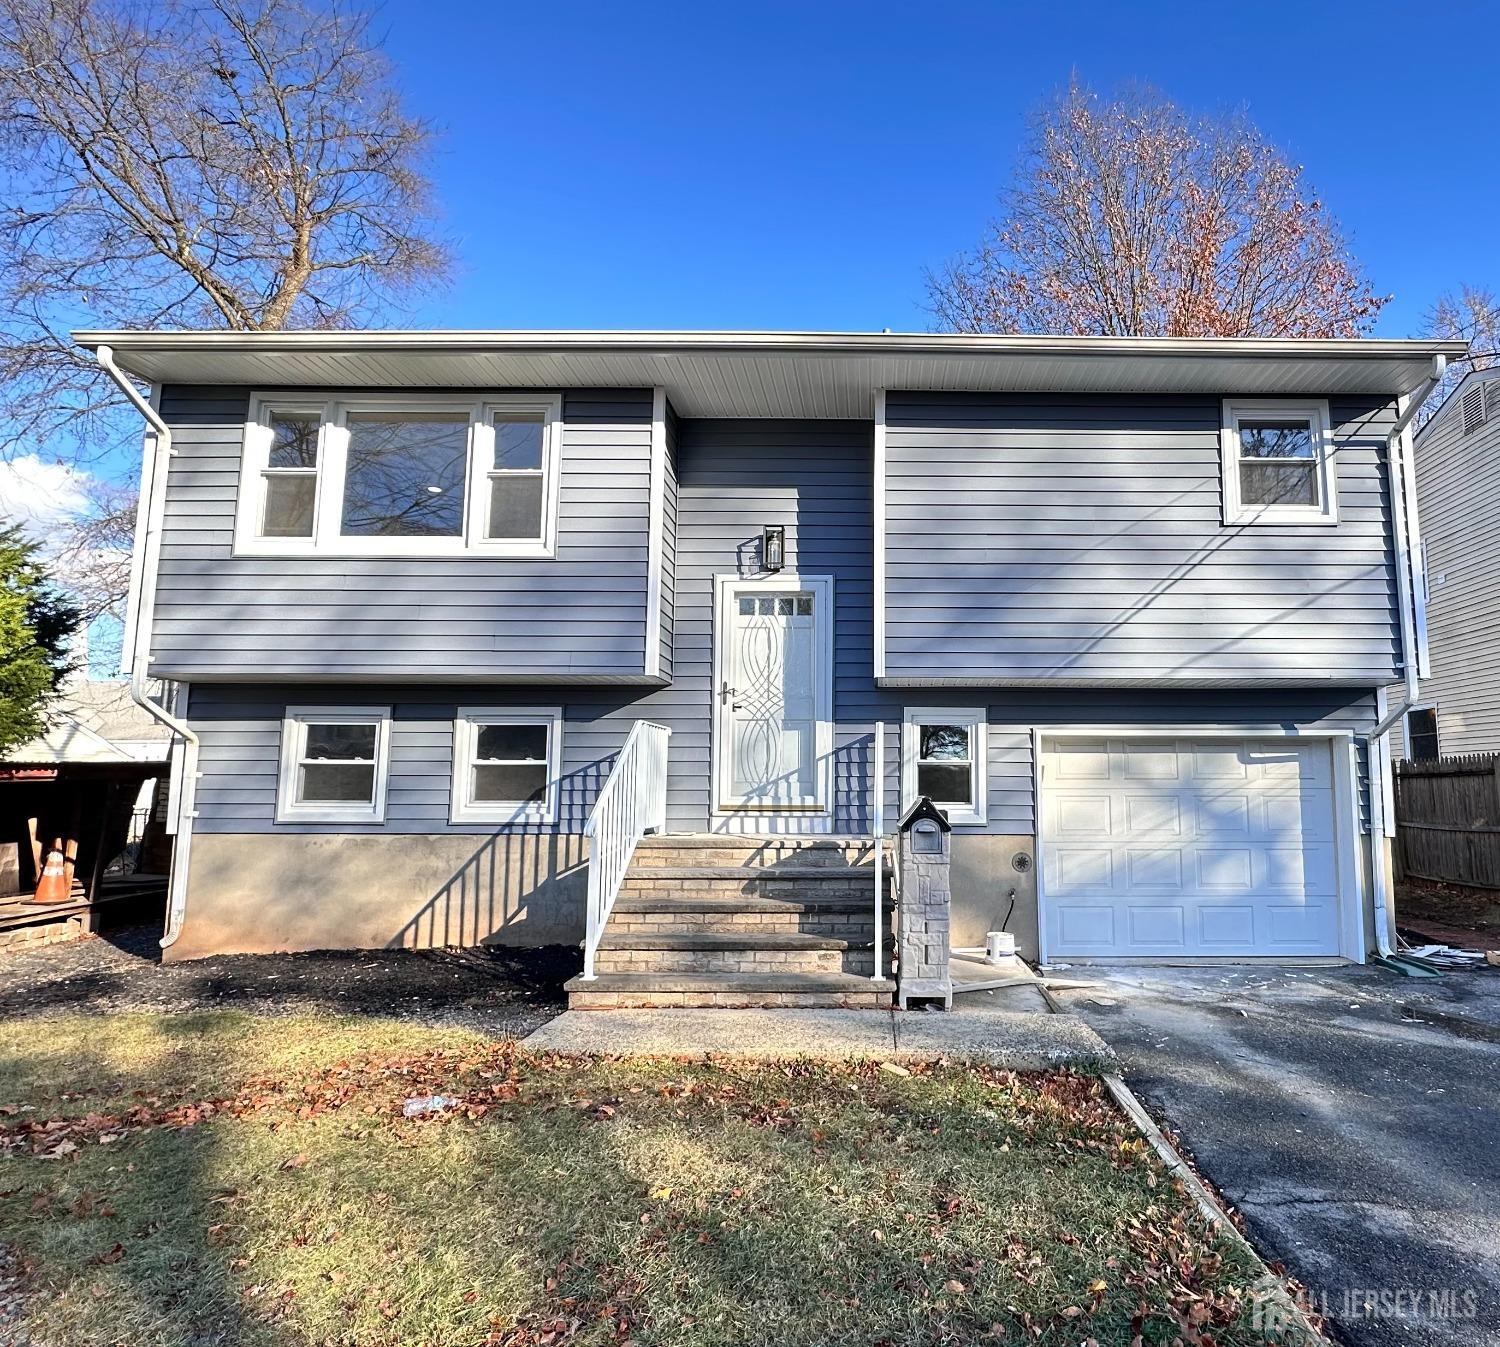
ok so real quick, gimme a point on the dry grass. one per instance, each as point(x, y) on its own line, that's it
point(218, 1179)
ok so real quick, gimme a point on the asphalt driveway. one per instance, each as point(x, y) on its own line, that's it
point(1353, 1117)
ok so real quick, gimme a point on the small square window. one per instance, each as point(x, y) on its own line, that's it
point(1278, 464)
point(943, 758)
point(333, 765)
point(506, 764)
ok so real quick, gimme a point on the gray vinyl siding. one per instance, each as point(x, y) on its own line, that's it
point(1037, 537)
point(1458, 496)
point(669, 544)
point(734, 477)
point(580, 615)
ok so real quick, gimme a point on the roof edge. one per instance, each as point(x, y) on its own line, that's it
point(828, 343)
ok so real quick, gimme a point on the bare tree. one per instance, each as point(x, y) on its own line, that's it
point(1129, 217)
point(1471, 314)
point(243, 164)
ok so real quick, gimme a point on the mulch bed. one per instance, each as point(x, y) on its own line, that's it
point(1451, 913)
point(486, 988)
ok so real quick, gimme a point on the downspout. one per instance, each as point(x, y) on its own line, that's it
point(1377, 765)
point(153, 491)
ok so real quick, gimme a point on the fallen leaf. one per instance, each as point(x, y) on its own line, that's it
point(297, 1161)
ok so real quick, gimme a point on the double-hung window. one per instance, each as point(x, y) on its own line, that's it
point(506, 764)
point(1278, 463)
point(943, 758)
point(334, 761)
point(400, 475)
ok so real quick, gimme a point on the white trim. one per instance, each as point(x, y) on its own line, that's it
point(976, 720)
point(1416, 552)
point(656, 530)
point(1315, 411)
point(333, 452)
point(462, 808)
point(879, 507)
point(1351, 900)
point(812, 818)
point(1405, 603)
point(294, 738)
point(135, 596)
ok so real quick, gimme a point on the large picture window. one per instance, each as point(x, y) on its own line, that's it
point(1278, 463)
point(333, 764)
point(943, 758)
point(506, 764)
point(361, 476)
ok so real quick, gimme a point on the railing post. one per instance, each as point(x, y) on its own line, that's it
point(877, 825)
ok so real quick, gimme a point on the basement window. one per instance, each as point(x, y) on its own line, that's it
point(943, 758)
point(1278, 463)
point(404, 476)
point(334, 762)
point(506, 764)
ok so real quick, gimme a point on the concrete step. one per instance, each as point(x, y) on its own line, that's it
point(654, 917)
point(770, 991)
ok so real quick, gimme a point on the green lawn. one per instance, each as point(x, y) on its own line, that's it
point(222, 1179)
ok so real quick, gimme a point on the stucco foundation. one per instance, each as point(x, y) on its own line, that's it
point(983, 879)
point(256, 894)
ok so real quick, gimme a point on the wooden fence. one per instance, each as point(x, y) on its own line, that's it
point(1448, 819)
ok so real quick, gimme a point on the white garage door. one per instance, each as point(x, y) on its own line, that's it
point(1189, 847)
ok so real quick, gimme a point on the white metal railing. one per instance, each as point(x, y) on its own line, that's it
point(631, 803)
point(877, 827)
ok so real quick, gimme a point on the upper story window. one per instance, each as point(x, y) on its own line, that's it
point(362, 476)
point(1278, 463)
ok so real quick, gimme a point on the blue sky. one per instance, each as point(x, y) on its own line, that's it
point(796, 166)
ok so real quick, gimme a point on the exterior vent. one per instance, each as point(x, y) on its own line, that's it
point(1491, 398)
point(1473, 409)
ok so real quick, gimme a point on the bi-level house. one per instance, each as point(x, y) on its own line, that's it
point(642, 639)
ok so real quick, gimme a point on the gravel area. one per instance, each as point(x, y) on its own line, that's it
point(502, 991)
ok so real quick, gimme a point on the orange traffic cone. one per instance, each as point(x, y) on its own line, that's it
point(53, 886)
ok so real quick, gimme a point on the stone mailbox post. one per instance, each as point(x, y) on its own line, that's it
point(926, 897)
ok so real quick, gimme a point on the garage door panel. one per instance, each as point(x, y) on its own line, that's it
point(1177, 846)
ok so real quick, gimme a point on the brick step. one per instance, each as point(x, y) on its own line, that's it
point(769, 991)
point(797, 883)
point(716, 952)
point(649, 858)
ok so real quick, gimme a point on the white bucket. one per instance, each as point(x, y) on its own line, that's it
point(999, 945)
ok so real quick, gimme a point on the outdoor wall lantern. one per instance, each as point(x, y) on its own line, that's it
point(773, 547)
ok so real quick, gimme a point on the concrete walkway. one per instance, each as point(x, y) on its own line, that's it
point(1010, 1028)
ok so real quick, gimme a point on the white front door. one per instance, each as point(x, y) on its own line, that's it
point(1165, 846)
point(774, 692)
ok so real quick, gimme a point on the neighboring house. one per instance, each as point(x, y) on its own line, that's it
point(1458, 495)
point(87, 781)
point(1122, 606)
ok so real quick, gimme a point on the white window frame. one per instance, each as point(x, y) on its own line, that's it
point(1315, 412)
point(333, 460)
point(294, 745)
point(466, 723)
point(976, 719)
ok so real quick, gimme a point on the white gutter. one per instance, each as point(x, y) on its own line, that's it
point(1402, 478)
point(138, 654)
